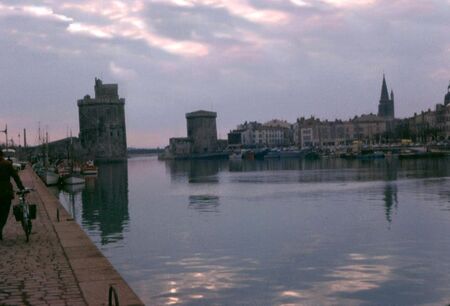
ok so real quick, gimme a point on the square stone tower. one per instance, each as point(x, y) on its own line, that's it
point(102, 124)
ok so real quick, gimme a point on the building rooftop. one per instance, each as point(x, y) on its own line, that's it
point(201, 114)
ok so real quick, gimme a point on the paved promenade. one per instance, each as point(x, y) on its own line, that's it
point(60, 265)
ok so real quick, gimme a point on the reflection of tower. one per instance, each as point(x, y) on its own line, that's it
point(102, 123)
point(197, 171)
point(390, 200)
point(105, 207)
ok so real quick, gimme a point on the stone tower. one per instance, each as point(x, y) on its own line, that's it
point(386, 105)
point(202, 131)
point(102, 124)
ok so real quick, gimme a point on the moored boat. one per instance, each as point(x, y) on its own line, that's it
point(89, 168)
point(73, 180)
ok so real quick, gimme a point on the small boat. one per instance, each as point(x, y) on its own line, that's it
point(248, 155)
point(370, 154)
point(73, 180)
point(235, 156)
point(260, 153)
point(272, 154)
point(89, 168)
point(312, 155)
point(50, 178)
point(290, 154)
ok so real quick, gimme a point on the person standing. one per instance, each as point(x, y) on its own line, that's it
point(6, 189)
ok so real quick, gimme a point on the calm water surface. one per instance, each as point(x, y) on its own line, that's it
point(329, 232)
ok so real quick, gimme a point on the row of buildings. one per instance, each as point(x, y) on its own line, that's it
point(103, 130)
point(383, 127)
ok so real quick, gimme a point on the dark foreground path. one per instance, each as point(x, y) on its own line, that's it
point(60, 265)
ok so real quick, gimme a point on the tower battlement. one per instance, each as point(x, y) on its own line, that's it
point(102, 123)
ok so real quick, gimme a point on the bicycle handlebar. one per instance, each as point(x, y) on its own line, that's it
point(24, 191)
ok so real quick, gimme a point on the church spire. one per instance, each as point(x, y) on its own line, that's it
point(384, 91)
point(447, 96)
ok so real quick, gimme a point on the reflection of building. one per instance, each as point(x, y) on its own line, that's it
point(204, 203)
point(196, 171)
point(105, 207)
point(102, 123)
point(390, 200)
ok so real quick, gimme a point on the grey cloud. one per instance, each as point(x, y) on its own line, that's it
point(325, 61)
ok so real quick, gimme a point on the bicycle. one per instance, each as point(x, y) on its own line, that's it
point(25, 212)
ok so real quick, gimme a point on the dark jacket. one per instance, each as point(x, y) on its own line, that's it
point(6, 172)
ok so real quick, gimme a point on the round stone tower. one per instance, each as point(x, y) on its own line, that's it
point(102, 124)
point(202, 130)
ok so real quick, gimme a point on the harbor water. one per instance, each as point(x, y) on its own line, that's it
point(273, 232)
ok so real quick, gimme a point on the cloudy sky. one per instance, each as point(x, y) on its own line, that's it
point(244, 59)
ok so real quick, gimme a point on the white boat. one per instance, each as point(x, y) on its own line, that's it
point(72, 189)
point(73, 180)
point(235, 156)
point(50, 178)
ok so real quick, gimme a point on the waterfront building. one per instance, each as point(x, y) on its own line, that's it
point(282, 129)
point(430, 125)
point(235, 138)
point(274, 133)
point(443, 119)
point(370, 128)
point(102, 123)
point(180, 145)
point(248, 135)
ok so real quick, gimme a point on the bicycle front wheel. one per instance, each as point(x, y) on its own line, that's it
point(26, 225)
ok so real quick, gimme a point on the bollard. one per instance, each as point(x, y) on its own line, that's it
point(113, 293)
point(57, 214)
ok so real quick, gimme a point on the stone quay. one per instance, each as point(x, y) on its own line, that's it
point(59, 265)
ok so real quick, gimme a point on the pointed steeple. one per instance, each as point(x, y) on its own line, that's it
point(384, 91)
point(447, 96)
point(392, 95)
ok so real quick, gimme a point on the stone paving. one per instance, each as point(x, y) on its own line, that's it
point(37, 272)
point(60, 265)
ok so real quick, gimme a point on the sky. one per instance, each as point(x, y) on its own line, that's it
point(245, 59)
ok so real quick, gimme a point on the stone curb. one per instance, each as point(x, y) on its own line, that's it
point(93, 272)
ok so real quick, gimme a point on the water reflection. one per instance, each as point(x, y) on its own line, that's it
point(204, 203)
point(70, 195)
point(198, 280)
point(196, 171)
point(390, 200)
point(283, 232)
point(360, 273)
point(105, 202)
